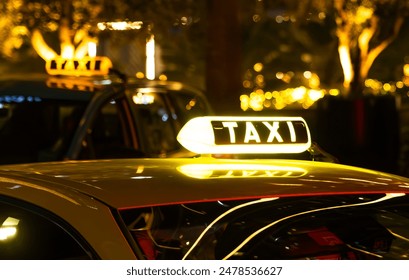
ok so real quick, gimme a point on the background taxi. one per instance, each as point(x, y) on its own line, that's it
point(205, 208)
point(49, 118)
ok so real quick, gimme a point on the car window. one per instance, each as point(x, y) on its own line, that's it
point(26, 234)
point(155, 122)
point(35, 129)
point(111, 134)
point(187, 106)
point(325, 227)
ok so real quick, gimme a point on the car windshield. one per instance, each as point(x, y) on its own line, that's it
point(34, 128)
point(161, 114)
point(314, 227)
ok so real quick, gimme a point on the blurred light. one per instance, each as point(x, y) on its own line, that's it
point(150, 58)
point(322, 15)
point(314, 81)
point(298, 93)
point(247, 84)
point(259, 80)
point(307, 74)
point(163, 77)
point(143, 98)
point(258, 67)
point(314, 95)
point(41, 47)
point(387, 87)
point(86, 66)
point(363, 14)
point(185, 20)
point(256, 18)
point(279, 19)
point(334, 92)
point(399, 84)
point(306, 57)
point(406, 69)
point(343, 51)
point(140, 75)
point(67, 51)
point(92, 48)
point(120, 25)
point(9, 228)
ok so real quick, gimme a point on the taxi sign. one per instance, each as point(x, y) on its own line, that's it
point(245, 135)
point(86, 66)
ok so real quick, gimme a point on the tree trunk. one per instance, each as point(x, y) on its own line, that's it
point(223, 67)
point(361, 131)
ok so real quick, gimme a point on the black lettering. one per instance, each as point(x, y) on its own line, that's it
point(266, 130)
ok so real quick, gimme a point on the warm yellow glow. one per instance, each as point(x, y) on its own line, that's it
point(140, 75)
point(363, 14)
point(314, 81)
point(87, 66)
point(406, 69)
point(298, 93)
point(258, 67)
point(333, 92)
point(220, 170)
point(143, 98)
point(387, 87)
point(399, 84)
point(41, 47)
point(9, 228)
point(67, 51)
point(314, 95)
point(244, 102)
point(92, 48)
point(244, 135)
point(259, 79)
point(120, 25)
point(281, 99)
point(346, 64)
point(163, 77)
point(322, 15)
point(150, 58)
point(307, 74)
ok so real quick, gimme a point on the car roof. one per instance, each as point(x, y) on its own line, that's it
point(19, 82)
point(47, 87)
point(128, 183)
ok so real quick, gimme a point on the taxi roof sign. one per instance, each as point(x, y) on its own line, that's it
point(86, 66)
point(245, 135)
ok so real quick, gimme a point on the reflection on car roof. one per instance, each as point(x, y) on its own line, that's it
point(137, 182)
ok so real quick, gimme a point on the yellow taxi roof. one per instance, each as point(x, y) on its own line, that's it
point(126, 183)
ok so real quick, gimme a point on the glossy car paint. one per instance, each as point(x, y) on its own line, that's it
point(86, 194)
point(144, 182)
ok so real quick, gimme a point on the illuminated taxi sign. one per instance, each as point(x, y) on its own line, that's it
point(245, 135)
point(220, 170)
point(86, 66)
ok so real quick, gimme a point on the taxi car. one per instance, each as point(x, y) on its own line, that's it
point(204, 207)
point(61, 116)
